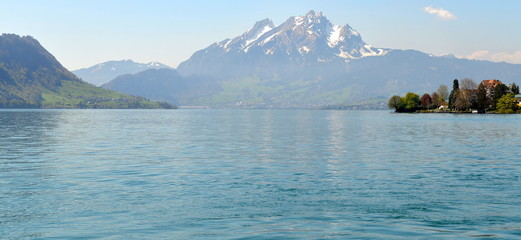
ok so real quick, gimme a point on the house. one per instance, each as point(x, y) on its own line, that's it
point(490, 85)
point(443, 106)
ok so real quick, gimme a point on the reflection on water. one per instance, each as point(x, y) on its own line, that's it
point(258, 174)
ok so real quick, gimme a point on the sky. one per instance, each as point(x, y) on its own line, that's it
point(82, 33)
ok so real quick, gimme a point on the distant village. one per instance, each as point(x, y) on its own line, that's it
point(490, 96)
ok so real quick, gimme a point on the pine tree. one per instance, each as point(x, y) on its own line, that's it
point(514, 89)
point(454, 93)
point(482, 101)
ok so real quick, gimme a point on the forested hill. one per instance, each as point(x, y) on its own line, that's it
point(31, 77)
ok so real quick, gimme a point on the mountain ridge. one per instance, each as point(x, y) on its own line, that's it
point(31, 77)
point(298, 41)
point(104, 72)
point(307, 62)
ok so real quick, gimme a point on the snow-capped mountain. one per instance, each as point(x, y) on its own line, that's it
point(305, 62)
point(309, 35)
point(105, 72)
point(300, 40)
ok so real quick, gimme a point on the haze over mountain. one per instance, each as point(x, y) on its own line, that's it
point(31, 77)
point(106, 71)
point(164, 85)
point(307, 61)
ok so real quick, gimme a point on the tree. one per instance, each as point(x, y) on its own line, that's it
point(426, 101)
point(411, 101)
point(514, 89)
point(499, 91)
point(482, 101)
point(395, 102)
point(507, 103)
point(454, 93)
point(436, 100)
point(462, 101)
point(468, 84)
point(443, 90)
point(467, 94)
point(455, 84)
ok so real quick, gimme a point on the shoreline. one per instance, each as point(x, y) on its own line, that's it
point(451, 112)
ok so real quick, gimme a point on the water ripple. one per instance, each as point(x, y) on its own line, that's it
point(154, 174)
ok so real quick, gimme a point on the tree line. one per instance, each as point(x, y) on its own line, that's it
point(464, 97)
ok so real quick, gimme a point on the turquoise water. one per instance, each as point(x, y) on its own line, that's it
point(255, 174)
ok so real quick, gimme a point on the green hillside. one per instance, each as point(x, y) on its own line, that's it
point(30, 77)
point(79, 95)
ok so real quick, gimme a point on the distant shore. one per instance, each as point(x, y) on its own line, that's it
point(489, 97)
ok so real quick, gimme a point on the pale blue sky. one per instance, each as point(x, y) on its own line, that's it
point(81, 33)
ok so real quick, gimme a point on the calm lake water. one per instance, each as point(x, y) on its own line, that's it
point(255, 174)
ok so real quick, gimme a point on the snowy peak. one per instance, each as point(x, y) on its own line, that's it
point(155, 65)
point(253, 34)
point(124, 64)
point(309, 19)
point(312, 13)
point(104, 72)
point(244, 42)
point(335, 35)
point(260, 27)
point(299, 41)
point(310, 24)
point(312, 37)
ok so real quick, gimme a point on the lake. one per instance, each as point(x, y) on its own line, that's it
point(258, 174)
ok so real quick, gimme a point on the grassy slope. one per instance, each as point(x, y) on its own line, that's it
point(252, 91)
point(80, 95)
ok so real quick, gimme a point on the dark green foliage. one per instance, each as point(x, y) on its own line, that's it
point(514, 89)
point(454, 93)
point(455, 84)
point(482, 101)
point(452, 98)
point(499, 91)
